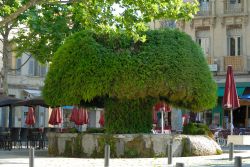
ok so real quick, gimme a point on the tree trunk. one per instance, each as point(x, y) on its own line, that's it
point(5, 60)
point(4, 73)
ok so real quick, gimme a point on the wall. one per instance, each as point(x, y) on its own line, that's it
point(129, 145)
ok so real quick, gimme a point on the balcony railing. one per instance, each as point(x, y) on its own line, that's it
point(233, 6)
point(237, 63)
point(205, 9)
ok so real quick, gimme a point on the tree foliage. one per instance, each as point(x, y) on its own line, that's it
point(48, 24)
point(169, 65)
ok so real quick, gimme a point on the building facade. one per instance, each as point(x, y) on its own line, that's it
point(25, 80)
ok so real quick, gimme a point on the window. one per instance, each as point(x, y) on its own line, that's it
point(43, 70)
point(18, 66)
point(234, 42)
point(235, 1)
point(202, 38)
point(204, 43)
point(168, 23)
point(31, 67)
point(36, 69)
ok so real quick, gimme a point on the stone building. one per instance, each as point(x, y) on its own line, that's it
point(25, 79)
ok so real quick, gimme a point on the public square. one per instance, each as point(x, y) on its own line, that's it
point(20, 158)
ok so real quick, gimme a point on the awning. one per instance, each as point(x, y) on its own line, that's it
point(220, 92)
point(38, 101)
point(68, 107)
point(33, 92)
point(8, 100)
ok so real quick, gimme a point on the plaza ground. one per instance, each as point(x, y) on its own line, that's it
point(20, 158)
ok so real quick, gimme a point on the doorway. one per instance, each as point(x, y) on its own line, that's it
point(239, 117)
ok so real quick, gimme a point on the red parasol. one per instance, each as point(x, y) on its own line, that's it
point(82, 116)
point(74, 114)
point(30, 118)
point(161, 105)
point(55, 117)
point(101, 120)
point(157, 107)
point(230, 98)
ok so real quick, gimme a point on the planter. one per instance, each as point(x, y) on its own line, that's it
point(239, 139)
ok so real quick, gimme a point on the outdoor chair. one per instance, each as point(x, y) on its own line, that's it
point(44, 137)
point(24, 136)
point(5, 139)
point(33, 137)
point(15, 137)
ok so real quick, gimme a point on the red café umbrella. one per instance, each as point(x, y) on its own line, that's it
point(163, 107)
point(230, 98)
point(55, 117)
point(81, 117)
point(101, 120)
point(74, 114)
point(30, 118)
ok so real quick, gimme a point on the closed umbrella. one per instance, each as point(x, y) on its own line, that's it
point(230, 98)
point(30, 118)
point(101, 120)
point(55, 117)
point(82, 117)
point(163, 107)
point(74, 114)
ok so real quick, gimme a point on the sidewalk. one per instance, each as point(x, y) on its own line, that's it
point(20, 158)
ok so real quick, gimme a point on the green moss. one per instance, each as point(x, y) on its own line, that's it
point(73, 147)
point(102, 140)
point(219, 152)
point(186, 148)
point(77, 147)
point(53, 148)
point(68, 148)
point(160, 155)
point(137, 148)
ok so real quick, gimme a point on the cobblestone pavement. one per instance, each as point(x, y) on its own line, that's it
point(20, 158)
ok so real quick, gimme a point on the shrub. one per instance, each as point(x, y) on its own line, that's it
point(112, 67)
point(95, 130)
point(196, 129)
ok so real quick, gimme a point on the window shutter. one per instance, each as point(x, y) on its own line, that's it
point(18, 66)
point(31, 67)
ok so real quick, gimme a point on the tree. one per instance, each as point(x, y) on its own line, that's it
point(169, 66)
point(42, 25)
point(50, 23)
point(7, 7)
point(17, 12)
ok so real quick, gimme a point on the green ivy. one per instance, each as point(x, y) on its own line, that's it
point(128, 116)
point(196, 129)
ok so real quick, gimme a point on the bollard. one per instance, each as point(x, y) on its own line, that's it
point(31, 157)
point(170, 155)
point(237, 162)
point(231, 151)
point(106, 155)
point(179, 164)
